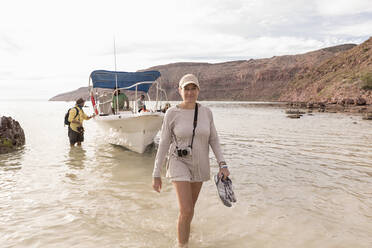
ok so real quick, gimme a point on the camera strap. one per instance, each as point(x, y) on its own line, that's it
point(193, 131)
point(195, 123)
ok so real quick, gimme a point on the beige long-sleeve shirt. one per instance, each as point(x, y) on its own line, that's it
point(177, 131)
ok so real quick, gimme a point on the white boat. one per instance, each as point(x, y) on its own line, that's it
point(130, 128)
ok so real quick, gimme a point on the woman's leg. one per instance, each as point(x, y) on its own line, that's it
point(195, 189)
point(187, 194)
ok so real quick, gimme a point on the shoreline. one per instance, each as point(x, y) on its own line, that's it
point(341, 107)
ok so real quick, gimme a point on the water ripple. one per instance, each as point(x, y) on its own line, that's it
point(299, 183)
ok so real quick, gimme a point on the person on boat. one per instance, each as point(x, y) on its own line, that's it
point(76, 117)
point(187, 148)
point(166, 107)
point(105, 101)
point(141, 103)
point(118, 100)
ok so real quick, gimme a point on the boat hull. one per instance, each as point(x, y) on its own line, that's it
point(133, 131)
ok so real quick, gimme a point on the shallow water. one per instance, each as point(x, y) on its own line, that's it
point(299, 182)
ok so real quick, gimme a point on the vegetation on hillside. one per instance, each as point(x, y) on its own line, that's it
point(367, 81)
point(346, 75)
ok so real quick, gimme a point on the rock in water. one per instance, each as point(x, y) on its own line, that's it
point(11, 135)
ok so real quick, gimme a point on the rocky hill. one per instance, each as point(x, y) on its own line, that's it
point(245, 80)
point(72, 95)
point(338, 79)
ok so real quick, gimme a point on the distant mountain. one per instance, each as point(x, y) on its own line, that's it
point(72, 95)
point(335, 79)
point(244, 80)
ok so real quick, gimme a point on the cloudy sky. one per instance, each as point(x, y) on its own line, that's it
point(50, 47)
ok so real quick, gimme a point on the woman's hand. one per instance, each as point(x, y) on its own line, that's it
point(224, 172)
point(156, 184)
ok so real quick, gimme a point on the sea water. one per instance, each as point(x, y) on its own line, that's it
point(299, 183)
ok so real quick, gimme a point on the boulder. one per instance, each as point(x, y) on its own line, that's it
point(346, 101)
point(360, 101)
point(294, 116)
point(11, 135)
point(297, 104)
point(334, 108)
point(322, 106)
point(310, 105)
point(367, 116)
point(294, 111)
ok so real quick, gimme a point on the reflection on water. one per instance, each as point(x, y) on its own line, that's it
point(76, 158)
point(12, 161)
point(300, 183)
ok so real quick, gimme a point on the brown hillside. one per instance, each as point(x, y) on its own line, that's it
point(336, 79)
point(245, 80)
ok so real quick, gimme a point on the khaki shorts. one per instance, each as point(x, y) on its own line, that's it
point(179, 169)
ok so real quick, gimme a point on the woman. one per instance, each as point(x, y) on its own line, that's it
point(187, 170)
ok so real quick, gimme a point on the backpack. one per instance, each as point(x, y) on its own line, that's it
point(68, 113)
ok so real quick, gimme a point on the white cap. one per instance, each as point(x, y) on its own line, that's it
point(188, 79)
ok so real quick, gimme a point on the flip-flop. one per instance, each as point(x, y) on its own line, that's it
point(229, 189)
point(225, 191)
point(222, 191)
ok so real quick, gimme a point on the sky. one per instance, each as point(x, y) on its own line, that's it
point(51, 47)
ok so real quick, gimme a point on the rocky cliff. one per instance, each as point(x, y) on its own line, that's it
point(346, 77)
point(245, 80)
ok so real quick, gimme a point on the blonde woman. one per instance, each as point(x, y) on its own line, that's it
point(187, 132)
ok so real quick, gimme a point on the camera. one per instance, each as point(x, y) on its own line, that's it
point(183, 152)
point(80, 129)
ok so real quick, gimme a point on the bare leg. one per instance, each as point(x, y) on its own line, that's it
point(187, 194)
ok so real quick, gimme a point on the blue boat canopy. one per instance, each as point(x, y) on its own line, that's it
point(107, 79)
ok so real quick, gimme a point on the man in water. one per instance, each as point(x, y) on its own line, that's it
point(118, 101)
point(76, 117)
